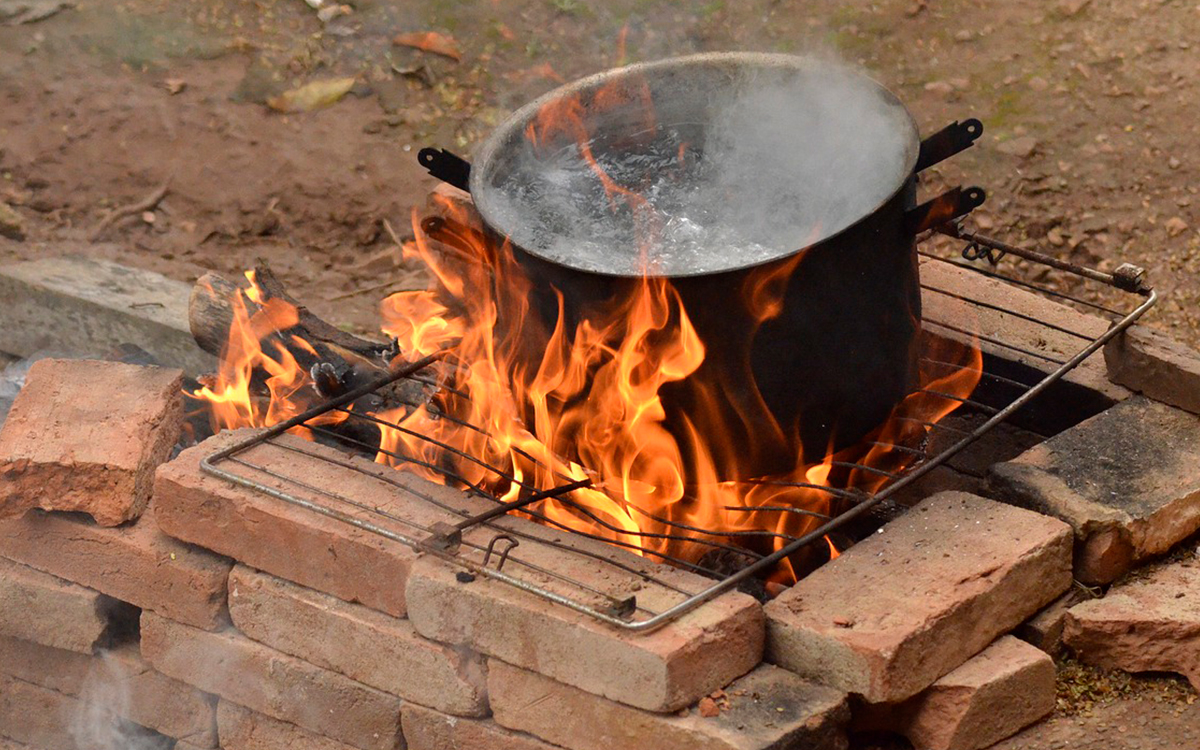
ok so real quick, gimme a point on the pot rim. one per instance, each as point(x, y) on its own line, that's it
point(518, 120)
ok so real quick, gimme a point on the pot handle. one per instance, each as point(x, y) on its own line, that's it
point(945, 208)
point(447, 167)
point(955, 137)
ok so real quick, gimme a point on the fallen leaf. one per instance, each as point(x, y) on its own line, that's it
point(1175, 226)
point(313, 95)
point(430, 41)
point(708, 707)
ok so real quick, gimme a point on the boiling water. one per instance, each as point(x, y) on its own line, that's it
point(777, 165)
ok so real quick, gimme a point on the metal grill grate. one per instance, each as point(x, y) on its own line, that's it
point(483, 543)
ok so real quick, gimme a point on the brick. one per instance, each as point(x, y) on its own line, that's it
point(1127, 480)
point(58, 301)
point(907, 605)
point(368, 646)
point(34, 715)
point(768, 708)
point(426, 729)
point(135, 563)
point(658, 671)
point(1045, 629)
point(282, 539)
point(663, 670)
point(250, 674)
point(86, 436)
point(1084, 391)
point(39, 607)
point(42, 718)
point(1155, 365)
point(120, 681)
point(1151, 624)
point(995, 694)
point(243, 729)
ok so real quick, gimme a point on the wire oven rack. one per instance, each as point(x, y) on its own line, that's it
point(484, 543)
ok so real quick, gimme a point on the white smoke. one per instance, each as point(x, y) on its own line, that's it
point(738, 170)
point(104, 702)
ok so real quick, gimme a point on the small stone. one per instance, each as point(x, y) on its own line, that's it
point(1037, 83)
point(1055, 237)
point(1175, 226)
point(12, 225)
point(1070, 8)
point(941, 88)
point(963, 35)
point(708, 708)
point(1174, 163)
point(1022, 146)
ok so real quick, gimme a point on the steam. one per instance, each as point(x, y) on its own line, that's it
point(104, 701)
point(738, 169)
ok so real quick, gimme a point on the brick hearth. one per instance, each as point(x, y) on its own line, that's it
point(238, 621)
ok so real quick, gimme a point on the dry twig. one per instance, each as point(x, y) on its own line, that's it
point(132, 209)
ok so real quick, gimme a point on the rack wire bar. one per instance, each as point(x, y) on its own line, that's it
point(492, 543)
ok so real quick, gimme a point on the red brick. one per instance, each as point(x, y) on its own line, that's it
point(1045, 629)
point(135, 563)
point(663, 670)
point(659, 671)
point(768, 708)
point(426, 729)
point(1151, 624)
point(290, 542)
point(907, 605)
point(994, 324)
point(119, 681)
point(45, 719)
point(250, 674)
point(35, 715)
point(39, 607)
point(1127, 480)
point(371, 647)
point(1005, 688)
point(86, 436)
point(243, 729)
point(1156, 366)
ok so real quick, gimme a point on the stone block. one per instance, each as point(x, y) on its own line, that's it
point(250, 674)
point(87, 436)
point(1151, 624)
point(766, 709)
point(135, 563)
point(1127, 480)
point(911, 603)
point(1045, 629)
point(368, 646)
point(69, 301)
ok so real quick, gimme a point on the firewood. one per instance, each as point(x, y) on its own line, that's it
point(342, 361)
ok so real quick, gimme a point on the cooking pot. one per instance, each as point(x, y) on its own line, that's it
point(791, 175)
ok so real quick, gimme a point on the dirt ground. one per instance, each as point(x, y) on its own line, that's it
point(1091, 150)
point(1090, 153)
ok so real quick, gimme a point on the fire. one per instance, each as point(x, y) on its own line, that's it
point(553, 405)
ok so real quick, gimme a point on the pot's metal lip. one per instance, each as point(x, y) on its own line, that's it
point(521, 117)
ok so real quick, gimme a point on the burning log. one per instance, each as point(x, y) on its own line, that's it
point(331, 361)
point(211, 314)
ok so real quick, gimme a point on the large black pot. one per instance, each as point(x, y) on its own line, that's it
point(842, 352)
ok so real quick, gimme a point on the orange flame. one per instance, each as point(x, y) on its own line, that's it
point(585, 404)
